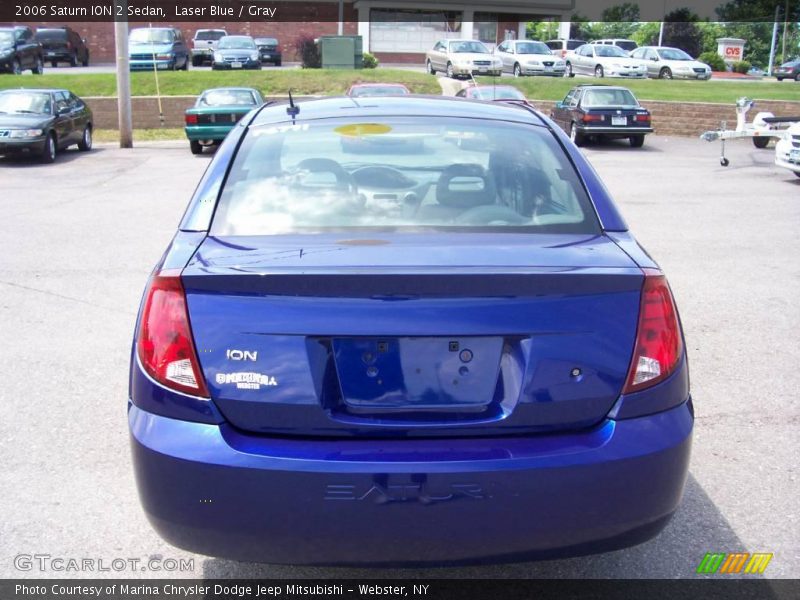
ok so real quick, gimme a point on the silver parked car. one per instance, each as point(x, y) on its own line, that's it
point(462, 58)
point(671, 63)
point(604, 61)
point(525, 57)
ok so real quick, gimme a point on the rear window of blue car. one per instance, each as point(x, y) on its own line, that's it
point(402, 174)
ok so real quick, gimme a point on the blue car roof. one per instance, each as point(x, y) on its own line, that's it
point(409, 106)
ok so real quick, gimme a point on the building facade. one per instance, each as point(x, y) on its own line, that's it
point(394, 30)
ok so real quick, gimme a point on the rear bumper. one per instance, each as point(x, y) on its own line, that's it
point(623, 131)
point(216, 491)
point(208, 132)
point(60, 55)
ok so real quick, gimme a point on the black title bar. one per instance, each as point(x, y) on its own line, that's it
point(223, 11)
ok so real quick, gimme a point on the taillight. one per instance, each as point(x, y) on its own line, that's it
point(165, 344)
point(658, 337)
point(642, 118)
point(589, 118)
point(191, 119)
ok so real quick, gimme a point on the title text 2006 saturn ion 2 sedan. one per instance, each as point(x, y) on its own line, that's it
point(444, 350)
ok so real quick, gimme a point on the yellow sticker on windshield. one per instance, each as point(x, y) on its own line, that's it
point(359, 129)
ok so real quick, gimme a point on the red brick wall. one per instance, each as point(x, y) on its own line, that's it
point(401, 57)
point(145, 110)
point(100, 36)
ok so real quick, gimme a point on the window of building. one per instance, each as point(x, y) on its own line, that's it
point(411, 30)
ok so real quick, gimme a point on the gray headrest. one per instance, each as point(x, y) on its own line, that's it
point(465, 186)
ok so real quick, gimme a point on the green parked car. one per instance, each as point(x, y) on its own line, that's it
point(216, 112)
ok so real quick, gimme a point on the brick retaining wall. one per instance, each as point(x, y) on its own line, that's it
point(145, 110)
point(669, 118)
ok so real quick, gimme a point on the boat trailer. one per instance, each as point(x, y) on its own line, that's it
point(764, 126)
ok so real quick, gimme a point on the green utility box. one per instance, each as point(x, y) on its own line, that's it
point(342, 52)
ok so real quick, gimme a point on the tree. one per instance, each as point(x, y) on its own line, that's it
point(710, 32)
point(542, 30)
point(647, 33)
point(752, 20)
point(580, 28)
point(681, 31)
point(620, 21)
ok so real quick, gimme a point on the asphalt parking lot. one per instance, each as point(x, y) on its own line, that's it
point(78, 240)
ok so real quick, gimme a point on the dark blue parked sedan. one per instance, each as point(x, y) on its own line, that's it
point(406, 331)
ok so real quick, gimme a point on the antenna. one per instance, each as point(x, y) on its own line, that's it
point(292, 110)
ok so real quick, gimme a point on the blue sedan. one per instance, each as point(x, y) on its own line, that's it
point(383, 334)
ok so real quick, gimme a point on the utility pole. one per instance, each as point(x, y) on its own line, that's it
point(785, 23)
point(772, 45)
point(661, 34)
point(341, 17)
point(123, 75)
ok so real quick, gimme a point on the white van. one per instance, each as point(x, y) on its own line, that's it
point(627, 45)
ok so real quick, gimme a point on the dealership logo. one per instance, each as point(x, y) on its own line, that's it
point(735, 562)
point(246, 381)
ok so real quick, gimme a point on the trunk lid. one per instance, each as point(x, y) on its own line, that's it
point(407, 335)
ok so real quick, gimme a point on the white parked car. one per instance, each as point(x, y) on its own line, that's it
point(462, 58)
point(671, 63)
point(787, 150)
point(604, 61)
point(526, 57)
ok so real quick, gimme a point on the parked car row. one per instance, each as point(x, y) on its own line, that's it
point(22, 49)
point(459, 58)
point(164, 48)
point(206, 42)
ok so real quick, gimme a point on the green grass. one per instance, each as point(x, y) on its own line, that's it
point(325, 82)
point(140, 135)
point(723, 92)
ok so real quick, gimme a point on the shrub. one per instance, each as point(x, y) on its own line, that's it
point(742, 66)
point(713, 60)
point(309, 52)
point(370, 62)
